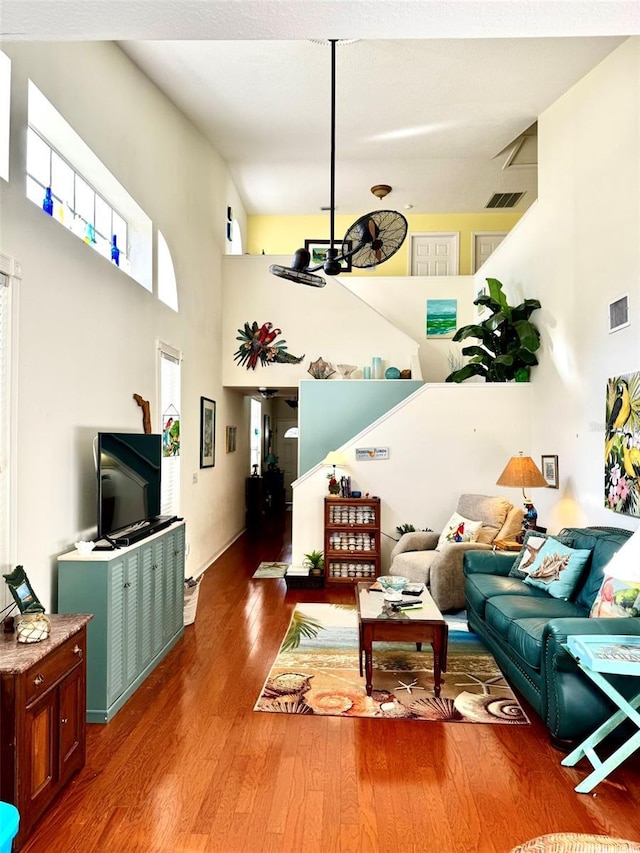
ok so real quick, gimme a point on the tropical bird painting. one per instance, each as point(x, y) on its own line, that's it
point(622, 444)
point(259, 346)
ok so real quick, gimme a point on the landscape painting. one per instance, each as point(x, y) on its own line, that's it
point(442, 318)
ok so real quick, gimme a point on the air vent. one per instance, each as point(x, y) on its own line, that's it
point(619, 313)
point(502, 200)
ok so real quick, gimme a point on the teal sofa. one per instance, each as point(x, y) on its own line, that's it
point(525, 628)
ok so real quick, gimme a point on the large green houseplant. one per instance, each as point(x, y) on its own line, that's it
point(508, 340)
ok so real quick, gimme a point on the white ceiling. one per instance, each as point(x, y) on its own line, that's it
point(428, 98)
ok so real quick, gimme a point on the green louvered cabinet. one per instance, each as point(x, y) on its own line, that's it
point(136, 597)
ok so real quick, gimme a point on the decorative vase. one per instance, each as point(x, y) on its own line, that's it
point(345, 370)
point(376, 367)
point(334, 488)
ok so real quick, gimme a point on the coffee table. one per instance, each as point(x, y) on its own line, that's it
point(378, 622)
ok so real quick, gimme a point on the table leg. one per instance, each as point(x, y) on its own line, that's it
point(439, 646)
point(419, 647)
point(360, 648)
point(368, 665)
point(587, 748)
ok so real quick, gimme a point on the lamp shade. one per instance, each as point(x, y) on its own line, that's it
point(625, 563)
point(522, 472)
point(335, 458)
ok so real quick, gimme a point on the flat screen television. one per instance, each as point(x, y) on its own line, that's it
point(129, 473)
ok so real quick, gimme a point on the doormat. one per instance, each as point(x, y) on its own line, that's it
point(271, 570)
point(316, 672)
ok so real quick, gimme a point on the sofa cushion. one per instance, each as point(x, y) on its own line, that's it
point(605, 543)
point(533, 541)
point(616, 599)
point(502, 610)
point(458, 529)
point(479, 588)
point(491, 511)
point(557, 569)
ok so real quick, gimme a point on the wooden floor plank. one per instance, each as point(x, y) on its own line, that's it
point(187, 766)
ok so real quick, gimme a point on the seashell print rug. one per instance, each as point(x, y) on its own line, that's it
point(316, 672)
point(271, 570)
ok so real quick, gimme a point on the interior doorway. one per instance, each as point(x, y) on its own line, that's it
point(286, 444)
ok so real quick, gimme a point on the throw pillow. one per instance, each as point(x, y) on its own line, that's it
point(616, 598)
point(458, 529)
point(557, 569)
point(531, 544)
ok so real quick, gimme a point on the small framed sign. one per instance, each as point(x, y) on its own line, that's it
point(370, 454)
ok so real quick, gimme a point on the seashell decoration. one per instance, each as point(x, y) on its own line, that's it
point(33, 627)
point(320, 369)
point(345, 370)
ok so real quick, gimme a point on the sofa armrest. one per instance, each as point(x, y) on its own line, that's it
point(417, 540)
point(557, 631)
point(488, 562)
point(446, 581)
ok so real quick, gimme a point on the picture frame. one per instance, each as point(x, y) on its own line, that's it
point(318, 251)
point(441, 319)
point(549, 469)
point(22, 591)
point(231, 439)
point(207, 432)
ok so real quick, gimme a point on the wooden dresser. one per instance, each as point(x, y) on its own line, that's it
point(42, 717)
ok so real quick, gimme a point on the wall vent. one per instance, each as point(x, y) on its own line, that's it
point(619, 313)
point(503, 200)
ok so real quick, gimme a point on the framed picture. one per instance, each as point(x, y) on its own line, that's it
point(231, 439)
point(22, 591)
point(318, 251)
point(550, 471)
point(442, 318)
point(207, 432)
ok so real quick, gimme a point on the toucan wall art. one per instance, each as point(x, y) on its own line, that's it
point(622, 445)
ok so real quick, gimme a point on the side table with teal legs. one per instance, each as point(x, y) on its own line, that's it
point(628, 711)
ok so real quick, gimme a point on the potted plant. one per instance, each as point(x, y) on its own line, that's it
point(315, 561)
point(508, 340)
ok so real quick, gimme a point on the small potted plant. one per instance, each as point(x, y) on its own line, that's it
point(315, 561)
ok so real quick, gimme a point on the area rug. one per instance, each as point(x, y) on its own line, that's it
point(271, 570)
point(316, 672)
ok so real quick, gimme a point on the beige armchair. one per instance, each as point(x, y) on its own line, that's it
point(415, 555)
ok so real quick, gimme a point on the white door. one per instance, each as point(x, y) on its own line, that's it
point(287, 453)
point(484, 243)
point(435, 254)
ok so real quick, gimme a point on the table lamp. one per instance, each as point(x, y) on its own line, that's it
point(522, 471)
point(336, 459)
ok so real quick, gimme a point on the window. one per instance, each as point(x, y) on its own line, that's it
point(169, 419)
point(86, 197)
point(75, 203)
point(9, 276)
point(5, 113)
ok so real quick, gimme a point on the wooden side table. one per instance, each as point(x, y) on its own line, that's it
point(628, 711)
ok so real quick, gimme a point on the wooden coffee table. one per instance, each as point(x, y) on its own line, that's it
point(378, 622)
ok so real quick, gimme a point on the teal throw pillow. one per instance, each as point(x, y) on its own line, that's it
point(557, 569)
point(531, 545)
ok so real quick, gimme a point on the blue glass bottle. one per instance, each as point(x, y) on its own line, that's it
point(47, 202)
point(115, 251)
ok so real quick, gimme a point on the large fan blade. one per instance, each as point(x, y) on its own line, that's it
point(376, 237)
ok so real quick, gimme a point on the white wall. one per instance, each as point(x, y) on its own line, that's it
point(576, 250)
point(443, 440)
point(330, 322)
point(88, 333)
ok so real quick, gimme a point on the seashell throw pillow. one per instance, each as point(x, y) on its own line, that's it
point(557, 569)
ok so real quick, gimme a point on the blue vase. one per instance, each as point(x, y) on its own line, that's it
point(47, 202)
point(115, 251)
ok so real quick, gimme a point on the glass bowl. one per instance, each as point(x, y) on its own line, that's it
point(345, 370)
point(393, 583)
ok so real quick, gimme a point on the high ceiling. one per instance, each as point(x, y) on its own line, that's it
point(430, 98)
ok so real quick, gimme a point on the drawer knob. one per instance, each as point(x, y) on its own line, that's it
point(77, 650)
point(64, 720)
point(39, 679)
point(127, 585)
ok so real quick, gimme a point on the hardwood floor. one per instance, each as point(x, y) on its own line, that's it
point(187, 766)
